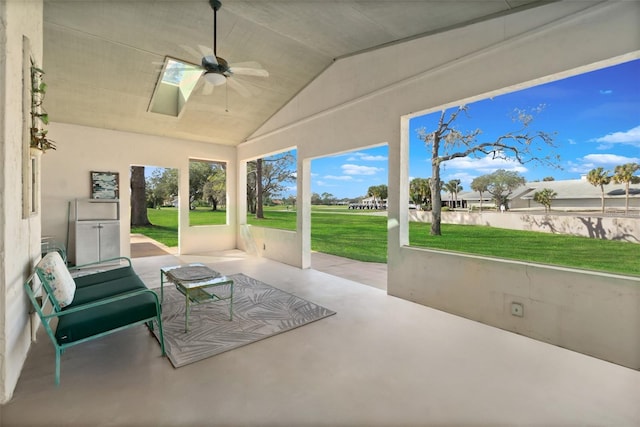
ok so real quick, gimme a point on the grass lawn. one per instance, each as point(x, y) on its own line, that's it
point(352, 234)
point(165, 223)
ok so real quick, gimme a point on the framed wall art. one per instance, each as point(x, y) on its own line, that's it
point(104, 185)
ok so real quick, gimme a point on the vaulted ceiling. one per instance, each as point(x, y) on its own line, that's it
point(102, 57)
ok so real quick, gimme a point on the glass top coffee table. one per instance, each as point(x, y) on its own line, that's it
point(198, 283)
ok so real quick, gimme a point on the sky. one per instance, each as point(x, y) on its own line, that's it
point(595, 117)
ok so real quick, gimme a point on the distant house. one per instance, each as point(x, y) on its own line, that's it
point(369, 203)
point(572, 194)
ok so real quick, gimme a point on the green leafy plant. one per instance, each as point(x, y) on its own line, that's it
point(39, 116)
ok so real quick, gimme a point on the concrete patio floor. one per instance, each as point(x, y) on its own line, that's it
point(380, 361)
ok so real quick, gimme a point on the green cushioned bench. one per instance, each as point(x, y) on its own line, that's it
point(90, 306)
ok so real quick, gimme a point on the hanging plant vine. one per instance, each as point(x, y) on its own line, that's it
point(39, 116)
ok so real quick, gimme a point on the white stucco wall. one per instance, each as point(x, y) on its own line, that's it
point(367, 99)
point(81, 150)
point(625, 229)
point(593, 313)
point(19, 238)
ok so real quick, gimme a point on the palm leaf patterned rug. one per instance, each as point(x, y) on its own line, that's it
point(259, 311)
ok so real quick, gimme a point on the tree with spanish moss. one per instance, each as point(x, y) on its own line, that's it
point(448, 142)
point(267, 177)
point(501, 184)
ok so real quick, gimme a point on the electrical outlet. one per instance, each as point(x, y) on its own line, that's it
point(517, 309)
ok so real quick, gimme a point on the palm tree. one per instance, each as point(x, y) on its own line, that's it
point(544, 197)
point(451, 187)
point(458, 188)
point(480, 184)
point(624, 174)
point(599, 178)
point(420, 191)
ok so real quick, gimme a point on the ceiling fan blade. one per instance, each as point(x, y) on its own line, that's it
point(205, 51)
point(191, 51)
point(249, 71)
point(247, 64)
point(238, 87)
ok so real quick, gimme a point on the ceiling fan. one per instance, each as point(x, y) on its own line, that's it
point(217, 70)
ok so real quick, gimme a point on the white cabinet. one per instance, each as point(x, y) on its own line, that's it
point(96, 230)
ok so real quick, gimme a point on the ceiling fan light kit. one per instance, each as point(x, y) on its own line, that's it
point(215, 79)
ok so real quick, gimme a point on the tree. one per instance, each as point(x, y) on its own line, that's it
point(161, 186)
point(453, 187)
point(548, 178)
point(450, 187)
point(138, 197)
point(624, 174)
point(544, 197)
point(327, 198)
point(519, 145)
point(274, 173)
point(420, 191)
point(259, 190)
point(378, 192)
point(599, 178)
point(199, 172)
point(215, 189)
point(316, 199)
point(501, 183)
point(481, 185)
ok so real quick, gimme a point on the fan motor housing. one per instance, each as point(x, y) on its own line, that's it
point(221, 67)
point(215, 4)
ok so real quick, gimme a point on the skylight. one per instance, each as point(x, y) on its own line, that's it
point(174, 87)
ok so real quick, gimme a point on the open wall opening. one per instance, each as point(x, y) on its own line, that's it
point(154, 211)
point(549, 174)
point(272, 191)
point(349, 199)
point(207, 192)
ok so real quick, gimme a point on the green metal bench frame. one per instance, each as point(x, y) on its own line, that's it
point(40, 302)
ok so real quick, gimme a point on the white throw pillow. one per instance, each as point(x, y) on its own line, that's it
point(53, 270)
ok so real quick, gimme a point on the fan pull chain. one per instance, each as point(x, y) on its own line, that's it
point(226, 98)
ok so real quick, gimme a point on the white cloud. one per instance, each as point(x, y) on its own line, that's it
point(374, 158)
point(572, 141)
point(606, 91)
point(350, 169)
point(484, 165)
point(592, 161)
point(339, 178)
point(630, 137)
point(365, 157)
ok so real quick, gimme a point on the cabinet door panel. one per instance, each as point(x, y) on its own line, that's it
point(87, 242)
point(109, 240)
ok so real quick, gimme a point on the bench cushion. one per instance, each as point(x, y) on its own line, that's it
point(103, 276)
point(52, 270)
point(104, 318)
point(111, 288)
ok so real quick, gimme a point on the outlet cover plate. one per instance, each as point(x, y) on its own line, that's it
point(517, 309)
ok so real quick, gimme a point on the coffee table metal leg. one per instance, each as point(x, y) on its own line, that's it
point(231, 304)
point(186, 311)
point(161, 287)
